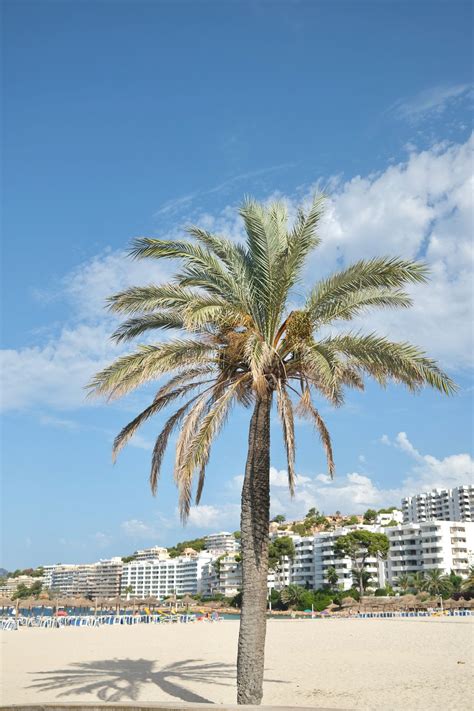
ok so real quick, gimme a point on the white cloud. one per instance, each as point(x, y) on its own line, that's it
point(103, 540)
point(207, 516)
point(432, 473)
point(354, 492)
point(430, 101)
point(134, 528)
point(422, 207)
point(59, 422)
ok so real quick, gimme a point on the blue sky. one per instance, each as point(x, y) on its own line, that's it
point(135, 118)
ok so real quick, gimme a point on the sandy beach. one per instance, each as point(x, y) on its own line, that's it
point(349, 664)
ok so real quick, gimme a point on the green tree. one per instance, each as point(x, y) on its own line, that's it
point(468, 583)
point(279, 518)
point(242, 341)
point(370, 516)
point(437, 583)
point(358, 546)
point(351, 521)
point(292, 595)
point(332, 577)
point(418, 582)
point(455, 581)
point(278, 549)
point(404, 582)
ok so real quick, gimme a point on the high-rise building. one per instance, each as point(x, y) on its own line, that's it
point(163, 577)
point(440, 505)
point(430, 545)
point(153, 553)
point(221, 542)
point(101, 579)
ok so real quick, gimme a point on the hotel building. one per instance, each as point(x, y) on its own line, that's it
point(101, 579)
point(163, 577)
point(430, 545)
point(440, 505)
point(223, 542)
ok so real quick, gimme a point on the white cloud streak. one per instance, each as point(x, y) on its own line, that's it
point(430, 101)
point(419, 208)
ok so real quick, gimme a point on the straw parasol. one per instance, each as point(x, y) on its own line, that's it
point(79, 602)
point(188, 600)
point(409, 601)
point(6, 602)
point(348, 601)
point(27, 602)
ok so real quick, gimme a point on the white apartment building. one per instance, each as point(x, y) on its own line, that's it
point(223, 542)
point(383, 519)
point(324, 558)
point(163, 577)
point(440, 505)
point(11, 584)
point(101, 579)
point(302, 568)
point(223, 575)
point(153, 553)
point(430, 545)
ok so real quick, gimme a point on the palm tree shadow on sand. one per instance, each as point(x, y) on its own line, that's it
point(121, 679)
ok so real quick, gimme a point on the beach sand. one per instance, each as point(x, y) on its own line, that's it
point(336, 663)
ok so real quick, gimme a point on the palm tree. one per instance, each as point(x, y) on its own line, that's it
point(418, 582)
point(403, 582)
point(332, 577)
point(468, 583)
point(291, 595)
point(241, 342)
point(437, 583)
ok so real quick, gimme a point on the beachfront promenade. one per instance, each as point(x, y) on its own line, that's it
point(321, 663)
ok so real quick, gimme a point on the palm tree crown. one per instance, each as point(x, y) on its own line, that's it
point(243, 340)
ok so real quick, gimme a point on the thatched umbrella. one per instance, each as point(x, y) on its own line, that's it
point(26, 603)
point(170, 601)
point(188, 601)
point(6, 602)
point(348, 601)
point(409, 601)
point(78, 603)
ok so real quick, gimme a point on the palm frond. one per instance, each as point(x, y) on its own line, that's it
point(198, 453)
point(382, 358)
point(149, 362)
point(306, 409)
point(148, 322)
point(162, 442)
point(149, 298)
point(351, 305)
point(377, 273)
point(158, 404)
point(285, 412)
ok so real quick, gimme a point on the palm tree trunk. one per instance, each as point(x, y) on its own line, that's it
point(254, 522)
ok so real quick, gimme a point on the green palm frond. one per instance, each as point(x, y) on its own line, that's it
point(351, 305)
point(149, 298)
point(378, 273)
point(149, 362)
point(382, 358)
point(148, 322)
